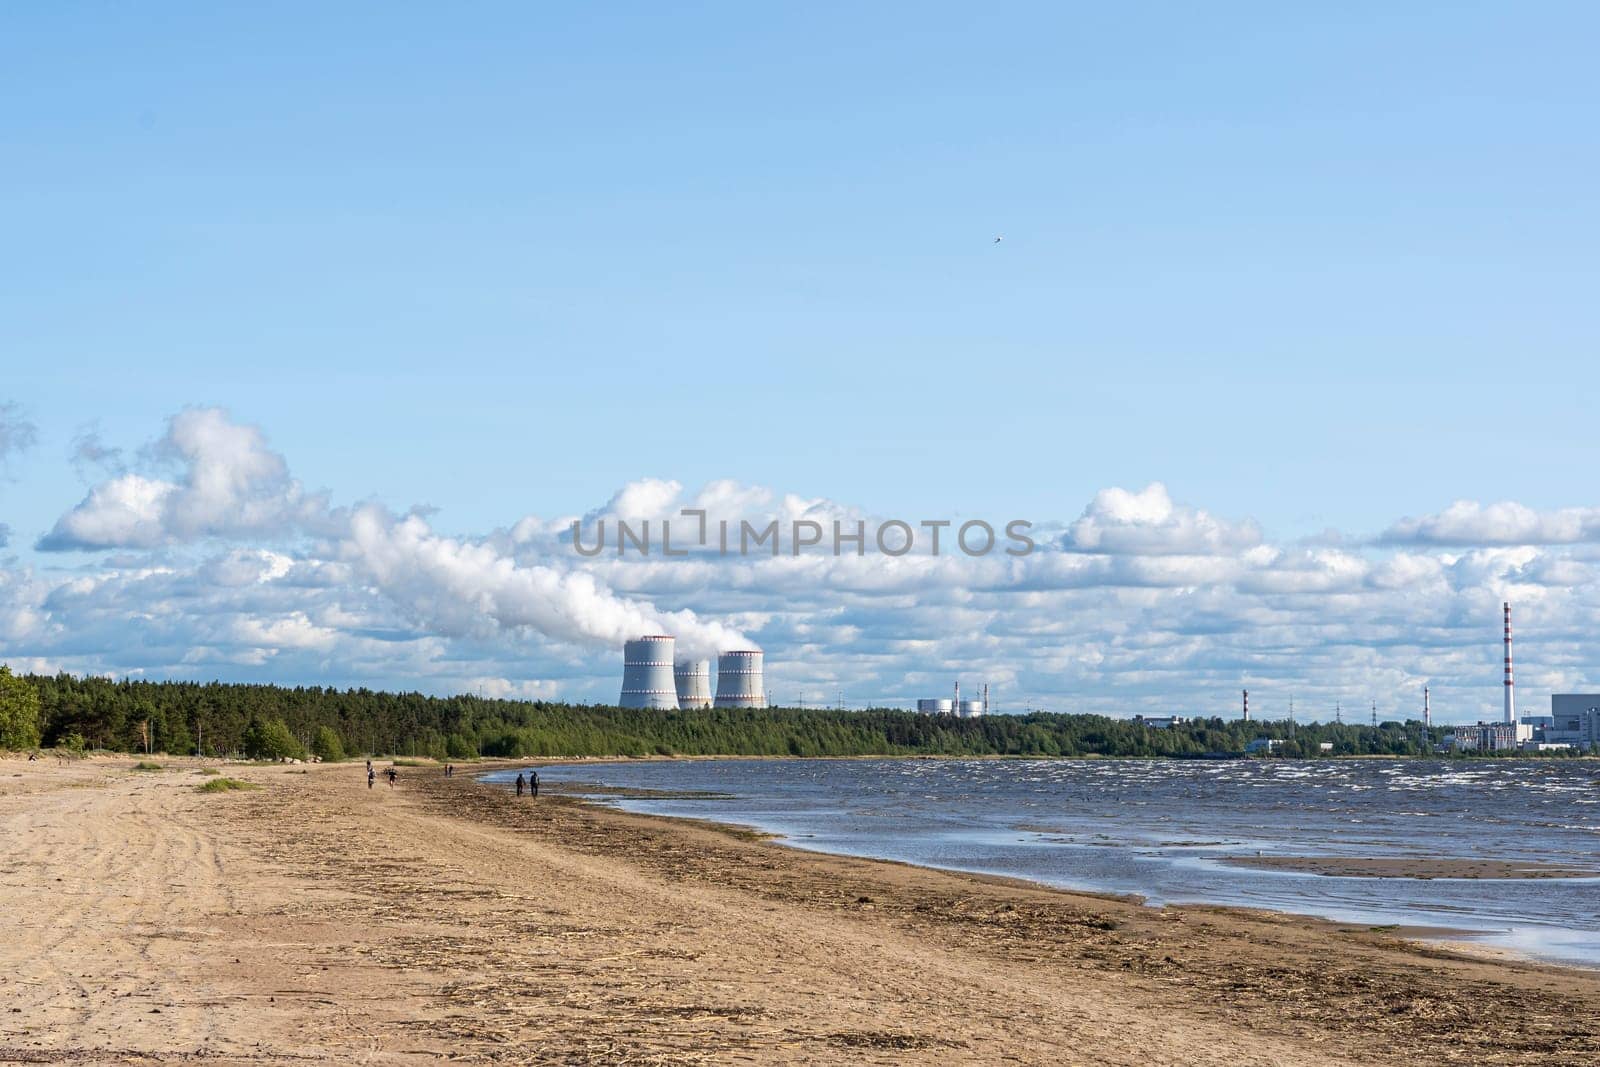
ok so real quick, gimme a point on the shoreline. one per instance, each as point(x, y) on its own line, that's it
point(313, 918)
point(1480, 943)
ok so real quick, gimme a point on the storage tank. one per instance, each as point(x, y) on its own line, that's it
point(647, 674)
point(941, 706)
point(739, 682)
point(693, 678)
point(971, 709)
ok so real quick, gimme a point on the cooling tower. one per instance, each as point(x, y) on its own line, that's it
point(970, 709)
point(739, 683)
point(939, 706)
point(693, 677)
point(647, 674)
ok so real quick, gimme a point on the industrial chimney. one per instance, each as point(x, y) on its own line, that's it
point(693, 678)
point(1427, 713)
point(739, 683)
point(1511, 707)
point(647, 674)
point(1246, 704)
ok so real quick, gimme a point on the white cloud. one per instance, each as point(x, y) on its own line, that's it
point(1148, 523)
point(1468, 522)
point(230, 485)
point(224, 566)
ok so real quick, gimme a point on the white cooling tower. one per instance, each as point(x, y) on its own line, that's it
point(970, 709)
point(938, 706)
point(739, 683)
point(647, 674)
point(693, 678)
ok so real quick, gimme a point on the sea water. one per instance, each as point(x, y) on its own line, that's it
point(1159, 828)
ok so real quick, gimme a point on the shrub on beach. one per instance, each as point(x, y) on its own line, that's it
point(146, 765)
point(224, 785)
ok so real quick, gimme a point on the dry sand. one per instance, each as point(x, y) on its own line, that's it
point(315, 920)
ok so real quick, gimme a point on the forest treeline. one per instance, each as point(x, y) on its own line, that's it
point(221, 719)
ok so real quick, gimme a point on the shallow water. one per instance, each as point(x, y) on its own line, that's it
point(1157, 828)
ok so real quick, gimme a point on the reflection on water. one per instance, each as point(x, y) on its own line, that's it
point(1157, 827)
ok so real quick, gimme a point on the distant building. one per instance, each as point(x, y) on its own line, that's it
point(1574, 720)
point(1485, 737)
point(1268, 745)
point(1161, 722)
point(1324, 746)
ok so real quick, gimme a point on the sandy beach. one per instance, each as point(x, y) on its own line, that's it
point(314, 920)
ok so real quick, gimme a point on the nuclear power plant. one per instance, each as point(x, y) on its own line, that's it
point(739, 682)
point(961, 709)
point(693, 677)
point(647, 680)
point(652, 677)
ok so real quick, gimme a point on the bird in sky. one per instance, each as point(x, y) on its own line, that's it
point(997, 240)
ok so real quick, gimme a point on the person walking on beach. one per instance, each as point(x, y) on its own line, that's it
point(520, 783)
point(533, 782)
point(393, 774)
point(372, 776)
point(448, 770)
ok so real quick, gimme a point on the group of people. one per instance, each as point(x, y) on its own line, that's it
point(372, 775)
point(526, 782)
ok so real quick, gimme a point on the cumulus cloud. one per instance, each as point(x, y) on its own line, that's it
point(1148, 523)
point(1468, 522)
point(230, 484)
point(213, 561)
point(462, 587)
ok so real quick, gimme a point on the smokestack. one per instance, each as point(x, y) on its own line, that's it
point(1246, 705)
point(986, 698)
point(647, 674)
point(1427, 713)
point(1511, 707)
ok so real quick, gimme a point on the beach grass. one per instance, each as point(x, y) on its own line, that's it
point(224, 785)
point(208, 770)
point(146, 765)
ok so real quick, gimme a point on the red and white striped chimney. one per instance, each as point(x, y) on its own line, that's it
point(1511, 708)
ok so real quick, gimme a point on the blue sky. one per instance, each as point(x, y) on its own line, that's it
point(1311, 270)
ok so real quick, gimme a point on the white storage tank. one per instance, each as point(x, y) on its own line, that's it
point(693, 678)
point(971, 709)
point(941, 706)
point(647, 680)
point(739, 681)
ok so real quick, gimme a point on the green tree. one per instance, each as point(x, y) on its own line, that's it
point(271, 739)
point(19, 712)
point(326, 745)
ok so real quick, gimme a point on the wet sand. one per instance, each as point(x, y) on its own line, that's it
point(1422, 867)
point(315, 920)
